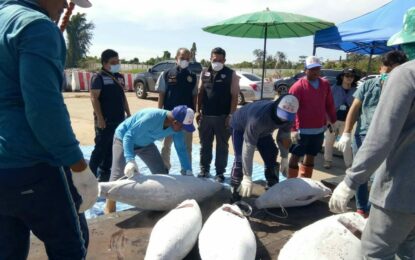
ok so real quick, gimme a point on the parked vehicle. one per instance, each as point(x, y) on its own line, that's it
point(250, 88)
point(145, 82)
point(362, 80)
point(282, 86)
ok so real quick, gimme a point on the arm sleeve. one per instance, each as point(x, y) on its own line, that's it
point(180, 145)
point(248, 151)
point(283, 133)
point(128, 145)
point(41, 55)
point(359, 93)
point(386, 126)
point(294, 90)
point(251, 136)
point(96, 82)
point(161, 83)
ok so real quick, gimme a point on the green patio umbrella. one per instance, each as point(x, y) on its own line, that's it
point(268, 24)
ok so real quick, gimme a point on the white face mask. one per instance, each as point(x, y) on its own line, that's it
point(183, 64)
point(217, 66)
point(115, 68)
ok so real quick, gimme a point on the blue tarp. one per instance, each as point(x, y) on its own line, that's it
point(98, 208)
point(368, 33)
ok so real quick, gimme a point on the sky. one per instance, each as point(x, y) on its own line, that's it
point(145, 29)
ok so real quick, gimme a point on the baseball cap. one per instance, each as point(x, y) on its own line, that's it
point(184, 115)
point(82, 3)
point(312, 62)
point(287, 108)
point(407, 34)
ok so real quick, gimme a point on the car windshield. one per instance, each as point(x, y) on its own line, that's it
point(330, 73)
point(251, 77)
point(195, 67)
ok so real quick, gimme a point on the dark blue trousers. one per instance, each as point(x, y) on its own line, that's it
point(268, 151)
point(41, 199)
point(101, 156)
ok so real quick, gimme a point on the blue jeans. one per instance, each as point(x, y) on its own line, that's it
point(41, 199)
point(362, 192)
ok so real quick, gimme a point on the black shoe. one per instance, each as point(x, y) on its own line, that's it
point(220, 178)
point(235, 195)
point(203, 175)
point(269, 184)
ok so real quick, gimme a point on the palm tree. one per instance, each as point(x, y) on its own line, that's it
point(79, 35)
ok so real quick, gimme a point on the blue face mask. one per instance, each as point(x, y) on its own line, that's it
point(115, 68)
point(409, 49)
point(384, 76)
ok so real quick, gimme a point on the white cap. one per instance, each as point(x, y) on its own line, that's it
point(312, 62)
point(82, 3)
point(287, 108)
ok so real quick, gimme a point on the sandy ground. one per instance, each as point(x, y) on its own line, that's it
point(81, 112)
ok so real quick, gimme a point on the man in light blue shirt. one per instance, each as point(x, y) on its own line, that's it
point(136, 136)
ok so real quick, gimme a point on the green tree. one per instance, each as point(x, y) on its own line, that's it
point(281, 59)
point(205, 63)
point(166, 55)
point(259, 56)
point(79, 35)
point(193, 51)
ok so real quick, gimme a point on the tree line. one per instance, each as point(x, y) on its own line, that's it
point(80, 33)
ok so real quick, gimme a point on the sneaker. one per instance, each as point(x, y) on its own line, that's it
point(220, 178)
point(362, 213)
point(327, 164)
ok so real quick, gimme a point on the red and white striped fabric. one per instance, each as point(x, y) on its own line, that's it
point(81, 80)
point(129, 81)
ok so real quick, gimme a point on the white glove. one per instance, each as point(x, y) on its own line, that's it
point(340, 197)
point(295, 137)
point(187, 172)
point(284, 166)
point(86, 185)
point(245, 189)
point(344, 142)
point(131, 169)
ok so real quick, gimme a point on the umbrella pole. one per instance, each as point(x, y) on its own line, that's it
point(263, 61)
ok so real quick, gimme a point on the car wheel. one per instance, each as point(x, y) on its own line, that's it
point(140, 90)
point(241, 99)
point(282, 89)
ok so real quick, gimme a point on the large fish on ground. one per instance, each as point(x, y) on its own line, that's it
point(227, 234)
point(333, 238)
point(175, 234)
point(158, 192)
point(292, 193)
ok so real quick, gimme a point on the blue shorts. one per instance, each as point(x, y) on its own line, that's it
point(308, 144)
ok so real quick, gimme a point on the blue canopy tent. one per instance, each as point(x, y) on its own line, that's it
point(366, 34)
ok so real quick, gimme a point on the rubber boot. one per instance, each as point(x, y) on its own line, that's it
point(272, 176)
point(110, 206)
point(306, 171)
point(292, 173)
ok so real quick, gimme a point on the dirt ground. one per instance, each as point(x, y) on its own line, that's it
point(125, 235)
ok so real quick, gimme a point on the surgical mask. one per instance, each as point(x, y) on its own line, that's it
point(384, 76)
point(409, 49)
point(115, 68)
point(183, 64)
point(217, 66)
